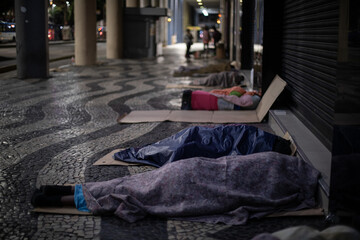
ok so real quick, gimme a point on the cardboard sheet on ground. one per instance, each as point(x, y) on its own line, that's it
point(60, 210)
point(292, 146)
point(110, 161)
point(202, 116)
point(69, 210)
point(305, 212)
point(74, 211)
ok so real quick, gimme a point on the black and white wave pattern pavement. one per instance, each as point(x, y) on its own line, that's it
point(53, 130)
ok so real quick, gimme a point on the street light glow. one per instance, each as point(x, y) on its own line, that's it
point(205, 12)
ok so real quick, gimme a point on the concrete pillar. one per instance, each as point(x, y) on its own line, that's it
point(114, 29)
point(232, 30)
point(247, 35)
point(237, 33)
point(132, 3)
point(145, 3)
point(227, 32)
point(155, 3)
point(32, 49)
point(222, 20)
point(85, 32)
point(164, 24)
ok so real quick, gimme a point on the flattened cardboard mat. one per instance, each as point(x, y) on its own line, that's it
point(60, 210)
point(292, 145)
point(74, 211)
point(202, 116)
point(110, 161)
point(304, 212)
point(69, 210)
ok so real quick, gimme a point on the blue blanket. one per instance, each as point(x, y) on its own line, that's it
point(201, 141)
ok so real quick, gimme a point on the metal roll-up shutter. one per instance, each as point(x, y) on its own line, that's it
point(309, 59)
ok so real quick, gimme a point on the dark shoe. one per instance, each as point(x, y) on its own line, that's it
point(39, 199)
point(52, 190)
point(186, 100)
point(34, 196)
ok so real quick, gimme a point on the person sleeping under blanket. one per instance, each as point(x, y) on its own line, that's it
point(184, 71)
point(205, 141)
point(235, 98)
point(230, 190)
point(223, 79)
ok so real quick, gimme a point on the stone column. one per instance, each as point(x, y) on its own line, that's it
point(223, 23)
point(155, 3)
point(145, 3)
point(114, 29)
point(238, 34)
point(85, 32)
point(32, 49)
point(231, 37)
point(247, 35)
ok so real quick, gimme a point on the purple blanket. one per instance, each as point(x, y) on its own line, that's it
point(230, 189)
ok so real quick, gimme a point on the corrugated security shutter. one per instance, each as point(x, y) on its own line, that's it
point(309, 59)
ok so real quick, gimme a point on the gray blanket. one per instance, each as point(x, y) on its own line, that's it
point(222, 79)
point(229, 189)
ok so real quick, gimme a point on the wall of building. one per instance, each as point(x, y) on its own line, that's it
point(308, 44)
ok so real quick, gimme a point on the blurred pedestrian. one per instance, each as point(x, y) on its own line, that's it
point(206, 38)
point(216, 35)
point(188, 39)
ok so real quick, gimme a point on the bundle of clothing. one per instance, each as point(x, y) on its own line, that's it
point(234, 98)
point(223, 79)
point(184, 71)
point(204, 141)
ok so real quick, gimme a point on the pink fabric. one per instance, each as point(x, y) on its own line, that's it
point(201, 100)
point(245, 100)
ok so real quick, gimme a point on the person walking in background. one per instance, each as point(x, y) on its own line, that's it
point(206, 38)
point(216, 35)
point(188, 39)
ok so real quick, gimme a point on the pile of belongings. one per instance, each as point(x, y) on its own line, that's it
point(235, 98)
point(222, 79)
point(212, 68)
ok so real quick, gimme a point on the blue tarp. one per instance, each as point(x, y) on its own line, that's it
point(201, 141)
